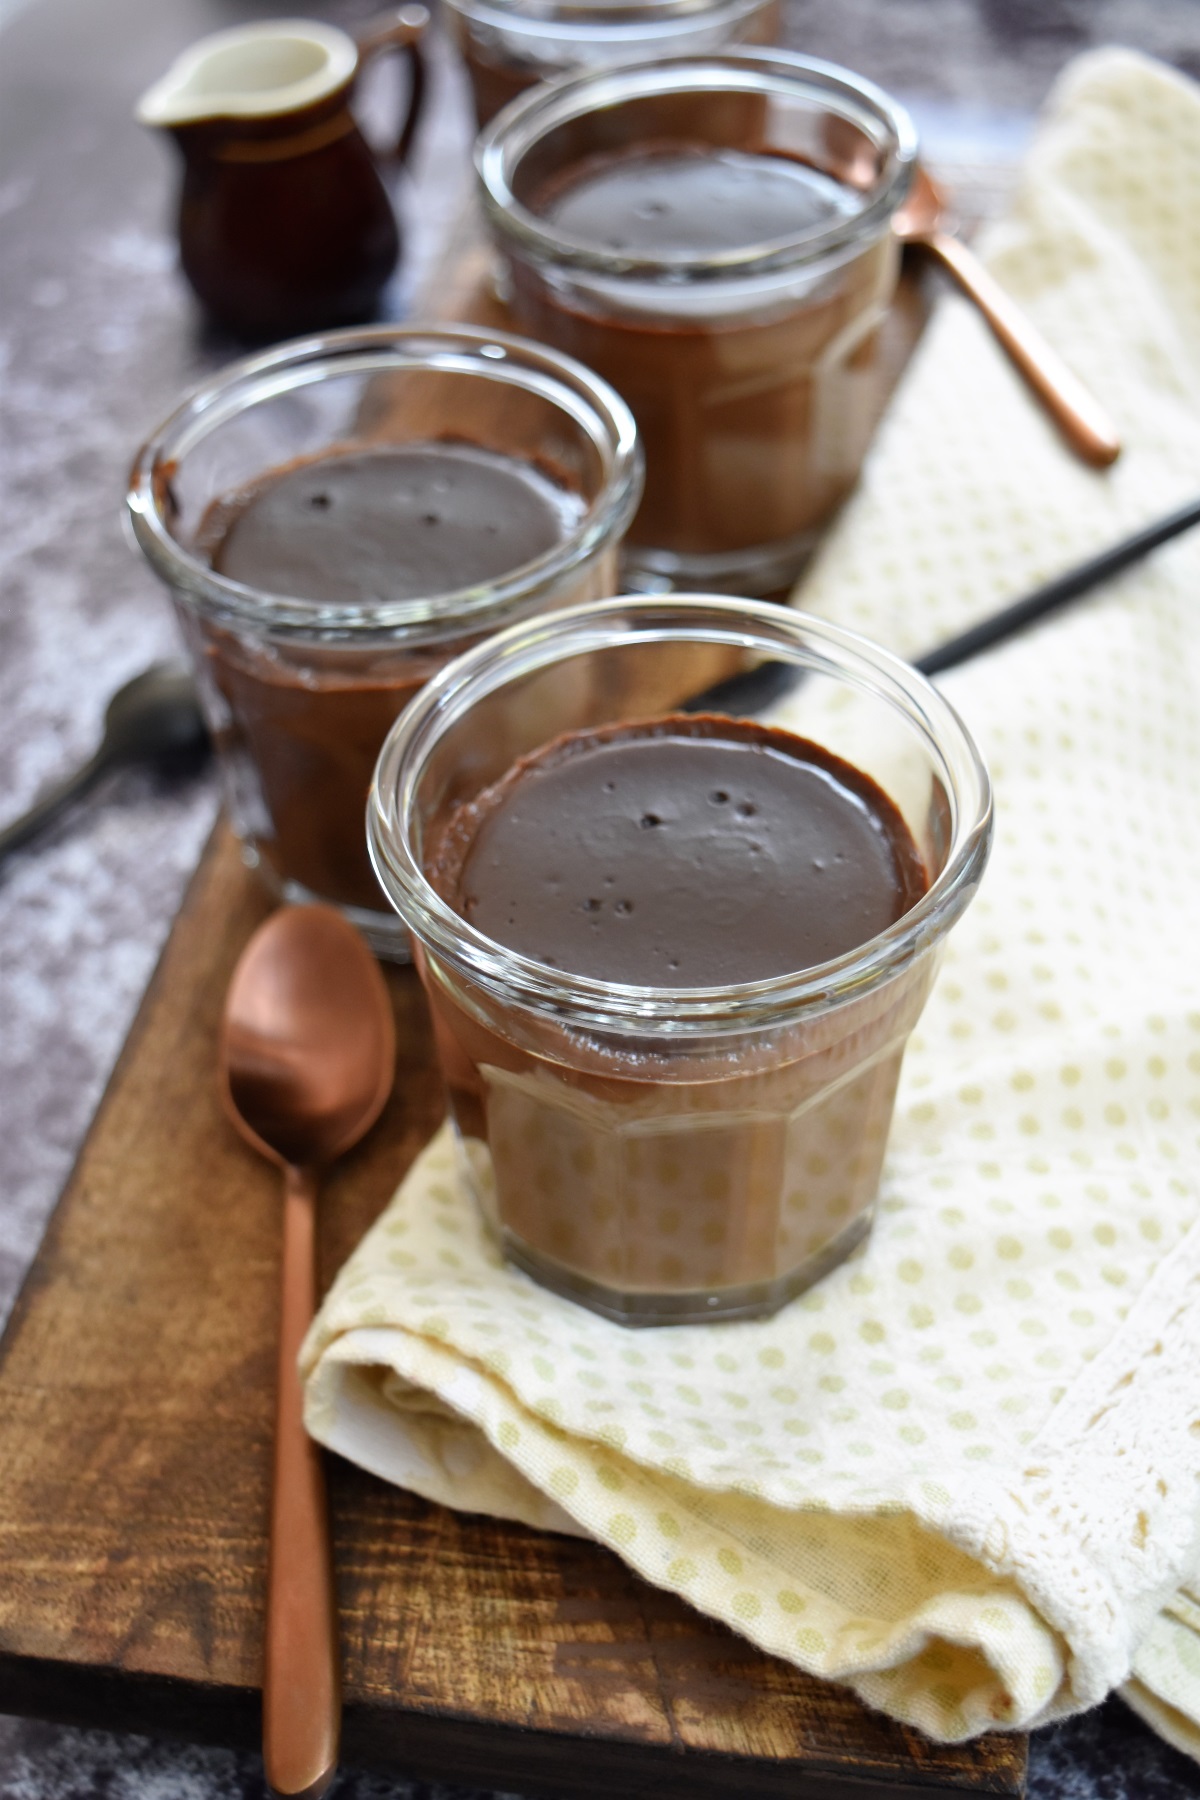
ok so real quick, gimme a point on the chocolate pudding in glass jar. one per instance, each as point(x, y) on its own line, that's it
point(712, 234)
point(673, 958)
point(511, 45)
point(336, 519)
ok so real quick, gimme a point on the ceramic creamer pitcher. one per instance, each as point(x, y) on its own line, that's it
point(285, 225)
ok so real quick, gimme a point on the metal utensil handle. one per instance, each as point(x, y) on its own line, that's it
point(771, 680)
point(302, 1697)
point(1053, 594)
point(1078, 415)
point(52, 801)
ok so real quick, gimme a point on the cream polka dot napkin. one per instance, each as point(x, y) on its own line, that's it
point(961, 1474)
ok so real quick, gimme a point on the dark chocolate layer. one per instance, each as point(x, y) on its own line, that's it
point(353, 527)
point(681, 852)
point(695, 202)
point(391, 524)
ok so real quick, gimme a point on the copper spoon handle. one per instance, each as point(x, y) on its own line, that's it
point(1080, 418)
point(302, 1699)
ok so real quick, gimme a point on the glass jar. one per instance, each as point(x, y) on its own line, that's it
point(300, 691)
point(754, 370)
point(510, 45)
point(668, 1155)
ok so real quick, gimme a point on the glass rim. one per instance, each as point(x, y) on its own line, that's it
point(761, 626)
point(586, 17)
point(517, 127)
point(500, 356)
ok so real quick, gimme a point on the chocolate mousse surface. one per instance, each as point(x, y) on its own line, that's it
point(754, 400)
point(395, 523)
point(356, 527)
point(685, 851)
point(693, 200)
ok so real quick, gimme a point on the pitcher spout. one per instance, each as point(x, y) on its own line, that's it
point(251, 72)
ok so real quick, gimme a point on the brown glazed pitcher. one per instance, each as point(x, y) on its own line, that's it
point(285, 225)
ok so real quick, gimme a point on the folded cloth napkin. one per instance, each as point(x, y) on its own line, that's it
point(960, 1474)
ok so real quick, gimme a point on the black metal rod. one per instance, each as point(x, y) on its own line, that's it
point(770, 681)
point(51, 802)
point(1057, 593)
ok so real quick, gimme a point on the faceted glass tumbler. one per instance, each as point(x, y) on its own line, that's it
point(669, 1155)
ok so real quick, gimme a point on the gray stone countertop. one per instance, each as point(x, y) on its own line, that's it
point(98, 335)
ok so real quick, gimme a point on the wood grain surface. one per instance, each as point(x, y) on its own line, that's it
point(136, 1401)
point(135, 1417)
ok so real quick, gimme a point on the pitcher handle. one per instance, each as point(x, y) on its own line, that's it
point(400, 30)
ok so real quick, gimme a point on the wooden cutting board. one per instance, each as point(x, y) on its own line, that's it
point(136, 1396)
point(135, 1419)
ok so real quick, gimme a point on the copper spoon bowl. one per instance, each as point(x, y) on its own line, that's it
point(307, 1060)
point(1080, 418)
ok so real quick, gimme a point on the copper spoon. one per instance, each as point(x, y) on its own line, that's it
point(1080, 418)
point(307, 1060)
